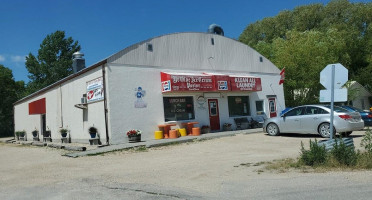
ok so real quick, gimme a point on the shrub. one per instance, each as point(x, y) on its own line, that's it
point(343, 154)
point(317, 155)
point(367, 141)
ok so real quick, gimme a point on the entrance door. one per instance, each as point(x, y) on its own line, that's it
point(43, 124)
point(214, 116)
point(272, 107)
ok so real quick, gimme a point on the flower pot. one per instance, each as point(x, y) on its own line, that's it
point(205, 130)
point(134, 138)
point(226, 128)
point(34, 133)
point(64, 134)
point(93, 134)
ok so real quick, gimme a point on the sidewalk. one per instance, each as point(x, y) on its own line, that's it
point(95, 149)
point(162, 142)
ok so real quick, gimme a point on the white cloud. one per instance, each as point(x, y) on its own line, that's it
point(18, 58)
point(2, 58)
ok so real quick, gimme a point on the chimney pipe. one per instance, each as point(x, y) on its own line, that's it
point(78, 62)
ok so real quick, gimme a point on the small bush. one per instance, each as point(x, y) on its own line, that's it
point(343, 154)
point(367, 141)
point(317, 155)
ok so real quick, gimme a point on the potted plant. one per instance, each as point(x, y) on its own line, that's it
point(20, 134)
point(63, 132)
point(205, 129)
point(134, 135)
point(35, 132)
point(93, 132)
point(226, 127)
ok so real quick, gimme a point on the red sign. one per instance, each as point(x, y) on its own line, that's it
point(186, 82)
point(175, 82)
point(245, 83)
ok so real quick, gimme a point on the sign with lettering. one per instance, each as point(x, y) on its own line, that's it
point(245, 83)
point(186, 82)
point(95, 90)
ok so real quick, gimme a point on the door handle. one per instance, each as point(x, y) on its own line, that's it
point(315, 118)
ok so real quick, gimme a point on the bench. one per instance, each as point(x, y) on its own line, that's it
point(242, 123)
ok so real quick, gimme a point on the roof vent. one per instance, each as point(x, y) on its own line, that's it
point(78, 62)
point(216, 29)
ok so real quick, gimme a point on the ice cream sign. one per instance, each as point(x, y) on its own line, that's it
point(95, 90)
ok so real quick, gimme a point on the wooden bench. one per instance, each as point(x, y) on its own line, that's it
point(242, 123)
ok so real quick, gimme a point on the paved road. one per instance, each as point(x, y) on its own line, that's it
point(222, 168)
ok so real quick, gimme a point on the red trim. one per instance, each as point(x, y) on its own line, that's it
point(37, 107)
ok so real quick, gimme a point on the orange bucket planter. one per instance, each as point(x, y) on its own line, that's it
point(173, 134)
point(196, 131)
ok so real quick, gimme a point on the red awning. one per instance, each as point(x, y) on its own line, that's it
point(37, 107)
point(180, 82)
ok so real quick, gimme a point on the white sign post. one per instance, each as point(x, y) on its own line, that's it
point(331, 77)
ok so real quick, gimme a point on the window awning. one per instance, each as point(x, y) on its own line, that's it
point(181, 82)
point(37, 107)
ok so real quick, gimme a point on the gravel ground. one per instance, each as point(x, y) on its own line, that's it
point(200, 170)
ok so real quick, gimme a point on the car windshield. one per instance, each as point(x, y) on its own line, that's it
point(337, 109)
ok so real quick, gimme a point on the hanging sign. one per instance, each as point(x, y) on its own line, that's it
point(95, 90)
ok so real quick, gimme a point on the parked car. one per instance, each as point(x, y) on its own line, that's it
point(314, 119)
point(285, 110)
point(366, 115)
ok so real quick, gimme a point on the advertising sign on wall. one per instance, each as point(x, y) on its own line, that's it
point(95, 90)
point(186, 82)
point(245, 83)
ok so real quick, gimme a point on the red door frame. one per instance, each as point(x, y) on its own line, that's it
point(272, 102)
point(214, 115)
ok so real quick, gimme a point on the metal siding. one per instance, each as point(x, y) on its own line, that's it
point(194, 51)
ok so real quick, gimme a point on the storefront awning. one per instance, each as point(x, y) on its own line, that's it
point(181, 82)
point(37, 107)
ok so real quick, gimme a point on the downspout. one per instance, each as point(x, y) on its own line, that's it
point(105, 103)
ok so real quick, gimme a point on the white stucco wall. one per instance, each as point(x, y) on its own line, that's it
point(61, 112)
point(123, 80)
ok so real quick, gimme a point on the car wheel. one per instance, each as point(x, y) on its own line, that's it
point(346, 134)
point(324, 130)
point(272, 129)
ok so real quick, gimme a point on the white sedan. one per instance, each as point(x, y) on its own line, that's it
point(314, 119)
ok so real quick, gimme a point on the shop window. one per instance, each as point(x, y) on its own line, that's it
point(259, 107)
point(178, 108)
point(238, 106)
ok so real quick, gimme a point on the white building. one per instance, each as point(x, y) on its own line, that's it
point(202, 77)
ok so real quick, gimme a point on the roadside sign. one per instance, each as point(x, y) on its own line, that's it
point(340, 95)
point(341, 76)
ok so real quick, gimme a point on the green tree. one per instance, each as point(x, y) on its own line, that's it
point(53, 62)
point(315, 35)
point(10, 91)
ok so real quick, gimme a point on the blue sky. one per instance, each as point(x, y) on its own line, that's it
point(104, 27)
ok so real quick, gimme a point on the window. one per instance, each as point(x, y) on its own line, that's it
point(315, 110)
point(295, 112)
point(149, 47)
point(238, 106)
point(261, 59)
point(259, 107)
point(212, 41)
point(178, 108)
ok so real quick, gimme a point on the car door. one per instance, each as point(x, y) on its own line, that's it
point(291, 121)
point(310, 119)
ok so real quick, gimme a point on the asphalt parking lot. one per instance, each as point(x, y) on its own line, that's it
point(221, 168)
